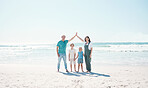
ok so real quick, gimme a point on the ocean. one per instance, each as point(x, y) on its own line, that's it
point(106, 53)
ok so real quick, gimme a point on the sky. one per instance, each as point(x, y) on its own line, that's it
point(44, 21)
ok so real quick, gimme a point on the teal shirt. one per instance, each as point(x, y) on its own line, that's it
point(80, 55)
point(62, 46)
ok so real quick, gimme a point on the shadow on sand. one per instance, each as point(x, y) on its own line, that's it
point(70, 74)
point(78, 74)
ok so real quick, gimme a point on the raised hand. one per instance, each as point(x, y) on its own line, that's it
point(76, 33)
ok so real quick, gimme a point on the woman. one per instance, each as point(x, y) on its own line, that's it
point(87, 52)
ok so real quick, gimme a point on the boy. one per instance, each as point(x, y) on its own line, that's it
point(72, 55)
point(80, 59)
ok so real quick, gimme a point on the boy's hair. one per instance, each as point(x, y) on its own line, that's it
point(71, 44)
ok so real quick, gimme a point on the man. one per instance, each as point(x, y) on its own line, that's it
point(61, 51)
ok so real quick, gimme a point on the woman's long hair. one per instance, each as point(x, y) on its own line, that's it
point(88, 39)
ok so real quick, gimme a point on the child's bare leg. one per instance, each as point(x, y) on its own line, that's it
point(78, 67)
point(71, 67)
point(82, 67)
point(75, 67)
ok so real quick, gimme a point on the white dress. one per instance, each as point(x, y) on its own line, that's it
point(72, 52)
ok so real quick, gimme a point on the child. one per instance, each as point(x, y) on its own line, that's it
point(80, 58)
point(72, 55)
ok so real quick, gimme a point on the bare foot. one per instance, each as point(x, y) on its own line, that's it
point(87, 71)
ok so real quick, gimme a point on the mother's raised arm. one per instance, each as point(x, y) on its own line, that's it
point(80, 38)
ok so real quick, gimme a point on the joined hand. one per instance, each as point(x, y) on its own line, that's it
point(76, 34)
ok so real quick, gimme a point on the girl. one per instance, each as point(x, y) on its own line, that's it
point(80, 59)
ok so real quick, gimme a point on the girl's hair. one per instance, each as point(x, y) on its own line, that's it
point(88, 39)
point(80, 47)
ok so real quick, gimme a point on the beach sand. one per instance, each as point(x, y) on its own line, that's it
point(46, 76)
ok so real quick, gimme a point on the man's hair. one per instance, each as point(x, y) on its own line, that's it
point(63, 35)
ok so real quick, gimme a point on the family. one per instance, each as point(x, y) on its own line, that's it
point(61, 52)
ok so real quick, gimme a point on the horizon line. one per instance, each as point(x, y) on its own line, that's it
point(76, 42)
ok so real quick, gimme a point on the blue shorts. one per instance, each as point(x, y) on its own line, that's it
point(80, 60)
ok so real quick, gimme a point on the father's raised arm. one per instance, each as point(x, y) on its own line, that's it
point(71, 38)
